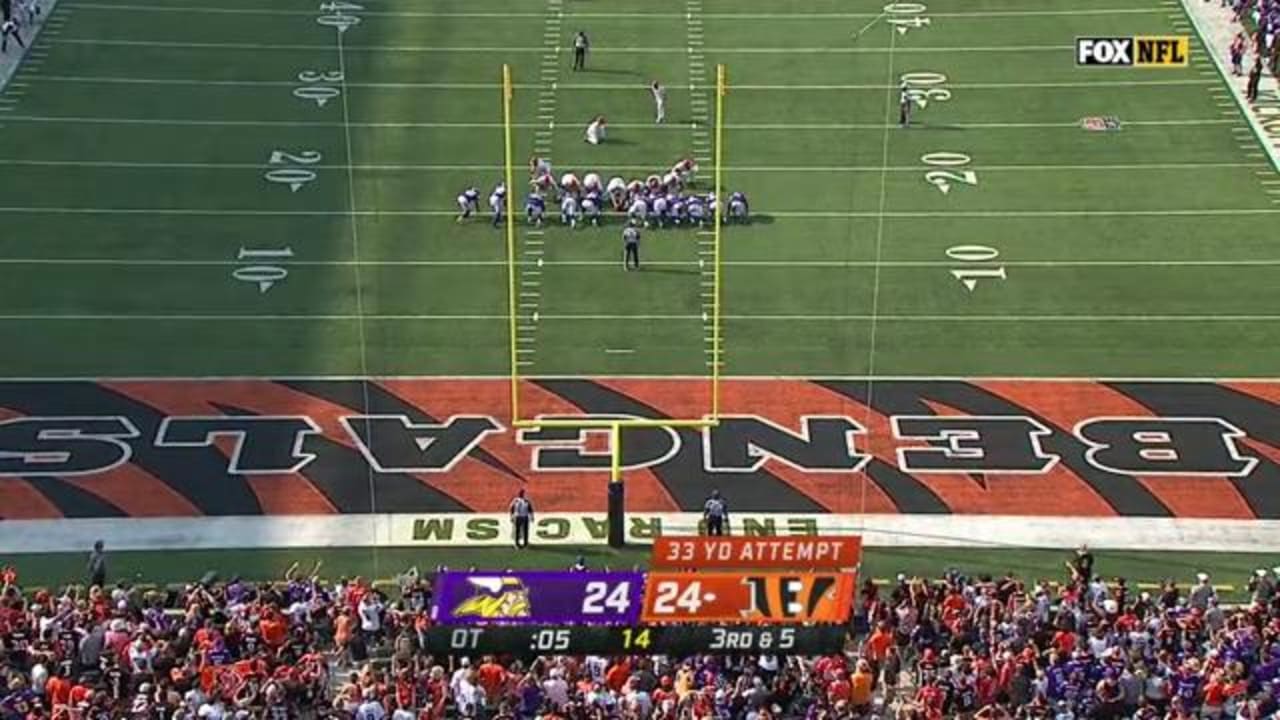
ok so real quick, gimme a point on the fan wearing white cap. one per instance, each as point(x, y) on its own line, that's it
point(1201, 593)
point(1262, 587)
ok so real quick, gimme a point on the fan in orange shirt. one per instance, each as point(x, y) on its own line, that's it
point(491, 677)
point(58, 689)
point(617, 675)
point(877, 646)
point(860, 686)
point(273, 628)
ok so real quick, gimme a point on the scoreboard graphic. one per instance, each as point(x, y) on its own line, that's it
point(721, 595)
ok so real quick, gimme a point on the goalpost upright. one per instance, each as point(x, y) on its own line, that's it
point(615, 427)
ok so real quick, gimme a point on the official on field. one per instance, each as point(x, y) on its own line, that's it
point(715, 512)
point(904, 106)
point(580, 47)
point(631, 248)
point(521, 516)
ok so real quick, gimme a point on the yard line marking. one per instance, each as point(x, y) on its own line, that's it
point(486, 86)
point(547, 103)
point(619, 351)
point(355, 243)
point(488, 49)
point(699, 95)
point(216, 212)
point(1073, 125)
point(212, 317)
point(137, 7)
point(879, 244)
point(620, 168)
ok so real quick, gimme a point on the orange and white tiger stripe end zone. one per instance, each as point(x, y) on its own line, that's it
point(291, 462)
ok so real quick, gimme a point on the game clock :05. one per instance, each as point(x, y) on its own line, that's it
point(679, 640)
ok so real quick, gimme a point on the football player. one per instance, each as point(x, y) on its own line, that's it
point(569, 210)
point(539, 166)
point(659, 210)
point(596, 130)
point(591, 183)
point(468, 202)
point(534, 208)
point(697, 211)
point(545, 183)
point(617, 190)
point(498, 203)
point(679, 205)
point(570, 185)
point(738, 210)
point(671, 182)
point(638, 213)
point(685, 170)
point(653, 183)
point(591, 208)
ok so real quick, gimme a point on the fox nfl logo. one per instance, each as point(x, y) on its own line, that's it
point(1140, 51)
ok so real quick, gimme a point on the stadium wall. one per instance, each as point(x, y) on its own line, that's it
point(494, 529)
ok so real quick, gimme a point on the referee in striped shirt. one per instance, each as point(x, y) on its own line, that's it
point(631, 248)
point(521, 515)
point(716, 514)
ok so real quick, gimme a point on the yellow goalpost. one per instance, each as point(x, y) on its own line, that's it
point(614, 426)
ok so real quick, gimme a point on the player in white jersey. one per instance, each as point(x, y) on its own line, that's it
point(671, 182)
point(569, 211)
point(498, 203)
point(539, 166)
point(638, 212)
point(617, 190)
point(468, 203)
point(659, 102)
point(685, 170)
point(591, 183)
point(570, 185)
point(596, 130)
point(545, 183)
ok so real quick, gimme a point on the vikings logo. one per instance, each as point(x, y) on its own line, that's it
point(495, 598)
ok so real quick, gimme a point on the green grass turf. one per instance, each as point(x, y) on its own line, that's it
point(1229, 570)
point(844, 272)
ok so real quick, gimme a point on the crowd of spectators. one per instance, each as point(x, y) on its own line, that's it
point(955, 646)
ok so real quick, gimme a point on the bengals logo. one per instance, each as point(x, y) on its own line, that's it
point(799, 598)
point(496, 598)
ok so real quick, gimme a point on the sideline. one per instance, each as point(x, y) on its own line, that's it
point(9, 64)
point(1215, 28)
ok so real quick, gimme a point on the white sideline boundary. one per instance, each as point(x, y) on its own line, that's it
point(1216, 39)
point(398, 530)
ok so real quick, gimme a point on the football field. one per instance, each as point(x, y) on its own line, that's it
point(263, 189)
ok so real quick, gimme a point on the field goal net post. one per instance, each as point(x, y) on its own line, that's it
point(615, 427)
